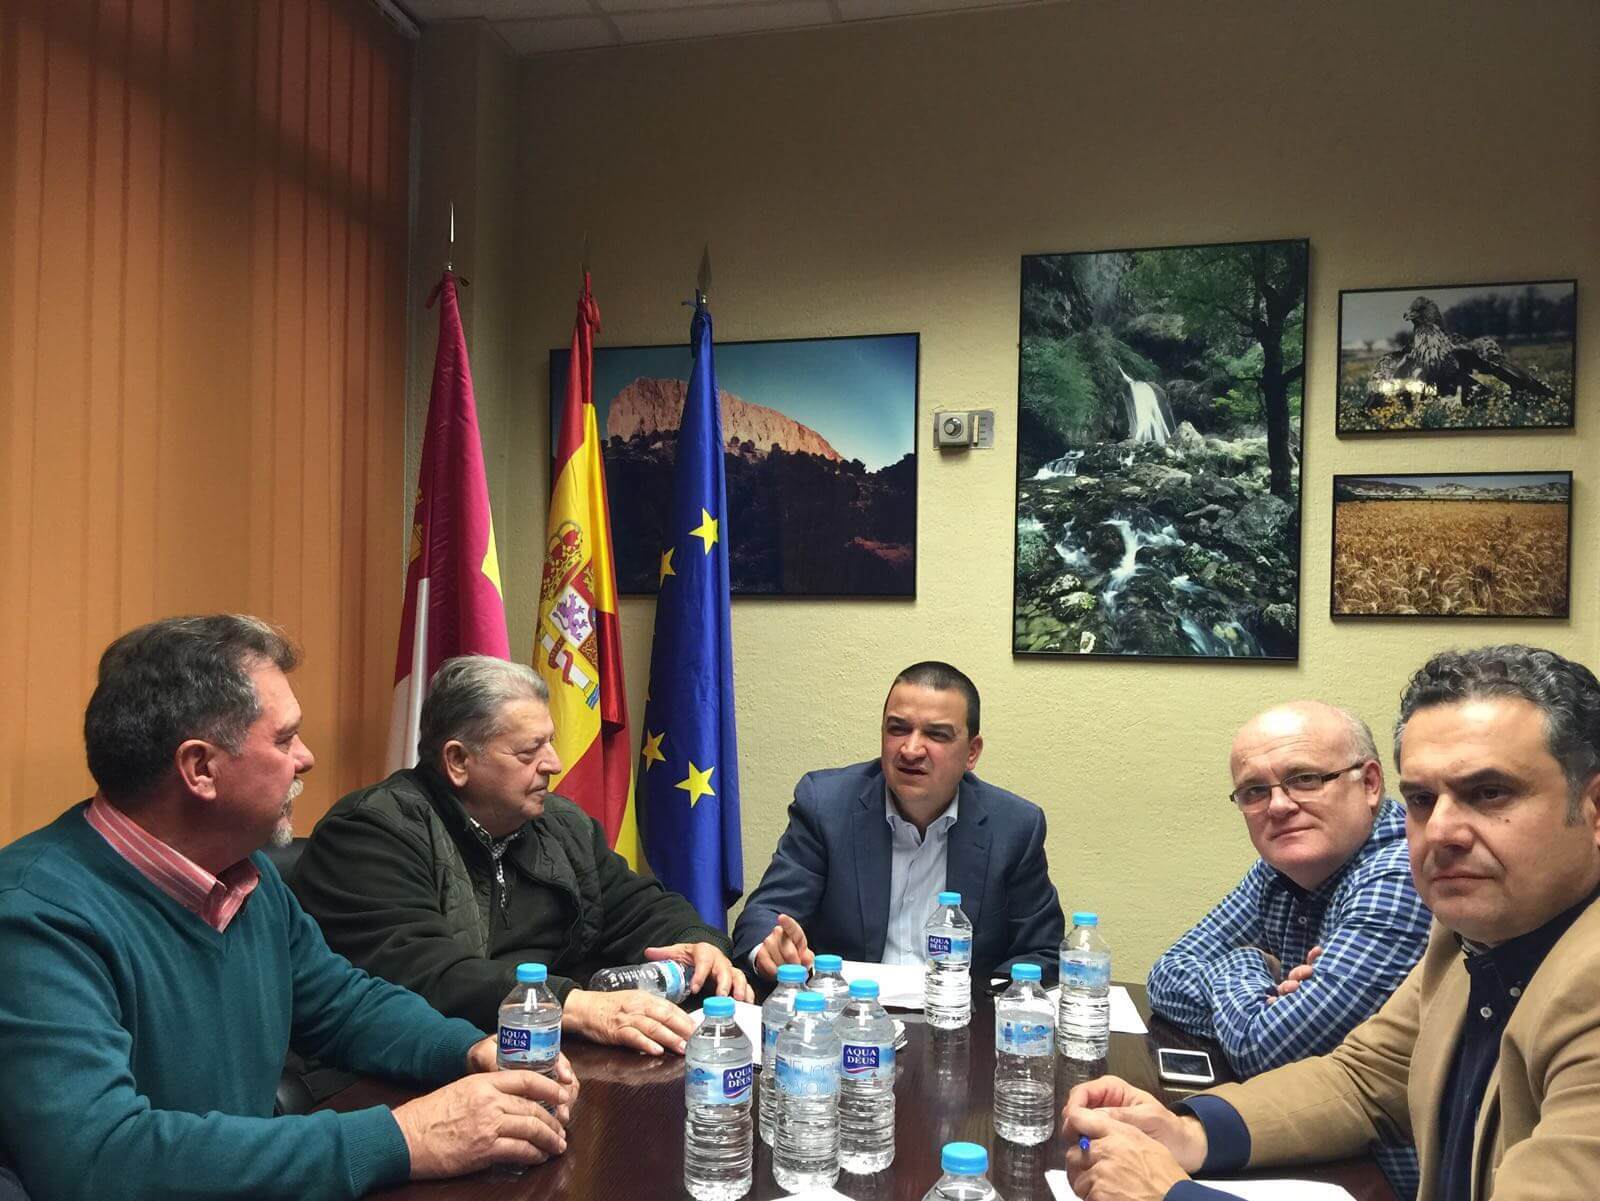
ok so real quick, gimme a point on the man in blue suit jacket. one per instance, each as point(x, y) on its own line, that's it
point(869, 847)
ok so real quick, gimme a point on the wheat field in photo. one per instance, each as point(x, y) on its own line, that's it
point(1450, 558)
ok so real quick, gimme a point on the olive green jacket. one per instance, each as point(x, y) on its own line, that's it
point(404, 886)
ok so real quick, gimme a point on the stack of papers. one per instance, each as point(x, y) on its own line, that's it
point(1247, 1190)
point(899, 984)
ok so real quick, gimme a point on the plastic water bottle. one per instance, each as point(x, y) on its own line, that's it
point(1024, 1060)
point(866, 1082)
point(664, 978)
point(775, 1015)
point(805, 1148)
point(530, 1023)
point(965, 1167)
point(947, 983)
point(1083, 1022)
point(717, 1144)
point(827, 978)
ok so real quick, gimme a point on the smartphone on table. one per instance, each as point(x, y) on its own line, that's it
point(1184, 1067)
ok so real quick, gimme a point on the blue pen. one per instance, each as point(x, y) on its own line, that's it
point(1083, 1142)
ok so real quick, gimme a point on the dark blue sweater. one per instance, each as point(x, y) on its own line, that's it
point(140, 1049)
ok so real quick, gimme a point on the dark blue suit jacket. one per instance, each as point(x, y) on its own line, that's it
point(831, 873)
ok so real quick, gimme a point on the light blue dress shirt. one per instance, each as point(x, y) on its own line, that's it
point(916, 878)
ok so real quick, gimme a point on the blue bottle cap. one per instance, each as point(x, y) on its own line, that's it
point(718, 1007)
point(532, 973)
point(1026, 971)
point(827, 963)
point(809, 1002)
point(964, 1159)
point(949, 898)
point(1083, 918)
point(864, 988)
point(791, 973)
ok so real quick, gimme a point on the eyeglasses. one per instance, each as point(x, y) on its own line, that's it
point(1300, 787)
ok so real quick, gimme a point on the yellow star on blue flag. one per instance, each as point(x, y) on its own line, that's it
point(698, 784)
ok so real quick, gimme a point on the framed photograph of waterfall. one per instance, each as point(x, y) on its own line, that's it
point(820, 455)
point(1458, 357)
point(1158, 452)
point(1477, 544)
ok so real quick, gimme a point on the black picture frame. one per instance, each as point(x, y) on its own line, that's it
point(1083, 314)
point(1469, 565)
point(1532, 329)
point(809, 525)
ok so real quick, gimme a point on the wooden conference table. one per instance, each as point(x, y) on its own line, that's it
point(626, 1137)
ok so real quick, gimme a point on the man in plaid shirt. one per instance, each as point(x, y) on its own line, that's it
point(1324, 926)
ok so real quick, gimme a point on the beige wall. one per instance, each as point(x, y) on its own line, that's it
point(888, 177)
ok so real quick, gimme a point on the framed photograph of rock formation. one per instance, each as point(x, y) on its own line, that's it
point(1473, 545)
point(1158, 452)
point(821, 459)
point(1458, 357)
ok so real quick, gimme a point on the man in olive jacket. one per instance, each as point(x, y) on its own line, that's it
point(445, 876)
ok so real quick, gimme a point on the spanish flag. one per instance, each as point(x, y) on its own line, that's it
point(578, 642)
point(453, 603)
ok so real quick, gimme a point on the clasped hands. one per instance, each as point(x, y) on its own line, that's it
point(633, 1018)
point(1297, 976)
point(1138, 1148)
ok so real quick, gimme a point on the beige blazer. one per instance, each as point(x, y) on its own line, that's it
point(1538, 1130)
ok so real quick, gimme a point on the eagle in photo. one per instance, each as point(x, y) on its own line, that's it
point(1437, 363)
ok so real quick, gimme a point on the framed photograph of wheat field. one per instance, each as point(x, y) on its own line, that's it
point(1458, 357)
point(819, 453)
point(1159, 399)
point(1433, 545)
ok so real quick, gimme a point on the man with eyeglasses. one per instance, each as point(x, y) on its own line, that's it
point(1489, 1053)
point(1324, 926)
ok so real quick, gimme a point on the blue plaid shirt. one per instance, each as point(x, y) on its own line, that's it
point(1372, 928)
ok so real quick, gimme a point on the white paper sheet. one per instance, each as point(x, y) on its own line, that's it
point(899, 984)
point(1125, 1017)
point(749, 1018)
point(1248, 1190)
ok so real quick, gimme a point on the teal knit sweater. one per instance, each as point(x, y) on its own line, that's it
point(140, 1050)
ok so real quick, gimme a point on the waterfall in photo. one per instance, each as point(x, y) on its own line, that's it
point(1064, 467)
point(1149, 423)
point(1133, 541)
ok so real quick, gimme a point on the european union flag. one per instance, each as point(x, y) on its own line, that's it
point(689, 759)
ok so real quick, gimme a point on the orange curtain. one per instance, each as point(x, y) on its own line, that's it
point(203, 211)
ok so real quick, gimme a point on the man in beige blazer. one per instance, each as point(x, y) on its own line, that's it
point(1488, 1056)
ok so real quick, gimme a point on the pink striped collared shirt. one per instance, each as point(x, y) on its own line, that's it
point(214, 900)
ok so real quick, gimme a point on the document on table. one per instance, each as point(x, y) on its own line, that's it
point(749, 1018)
point(1125, 1017)
point(1246, 1190)
point(899, 984)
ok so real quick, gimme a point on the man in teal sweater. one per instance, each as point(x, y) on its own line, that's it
point(158, 969)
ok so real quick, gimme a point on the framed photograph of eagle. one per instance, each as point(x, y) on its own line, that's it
point(1458, 357)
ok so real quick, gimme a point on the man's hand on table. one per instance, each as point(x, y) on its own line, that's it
point(1138, 1148)
point(628, 1017)
point(488, 1118)
point(703, 961)
point(786, 944)
point(1297, 975)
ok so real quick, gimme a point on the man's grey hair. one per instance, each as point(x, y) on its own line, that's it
point(465, 700)
point(172, 680)
point(1362, 744)
point(1565, 693)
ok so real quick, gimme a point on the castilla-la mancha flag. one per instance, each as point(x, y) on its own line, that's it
point(578, 643)
point(453, 598)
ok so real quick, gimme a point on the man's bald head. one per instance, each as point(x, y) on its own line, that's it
point(1316, 719)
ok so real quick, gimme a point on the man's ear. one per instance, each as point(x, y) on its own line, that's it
point(453, 760)
point(1372, 781)
point(1591, 797)
point(974, 749)
point(197, 762)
